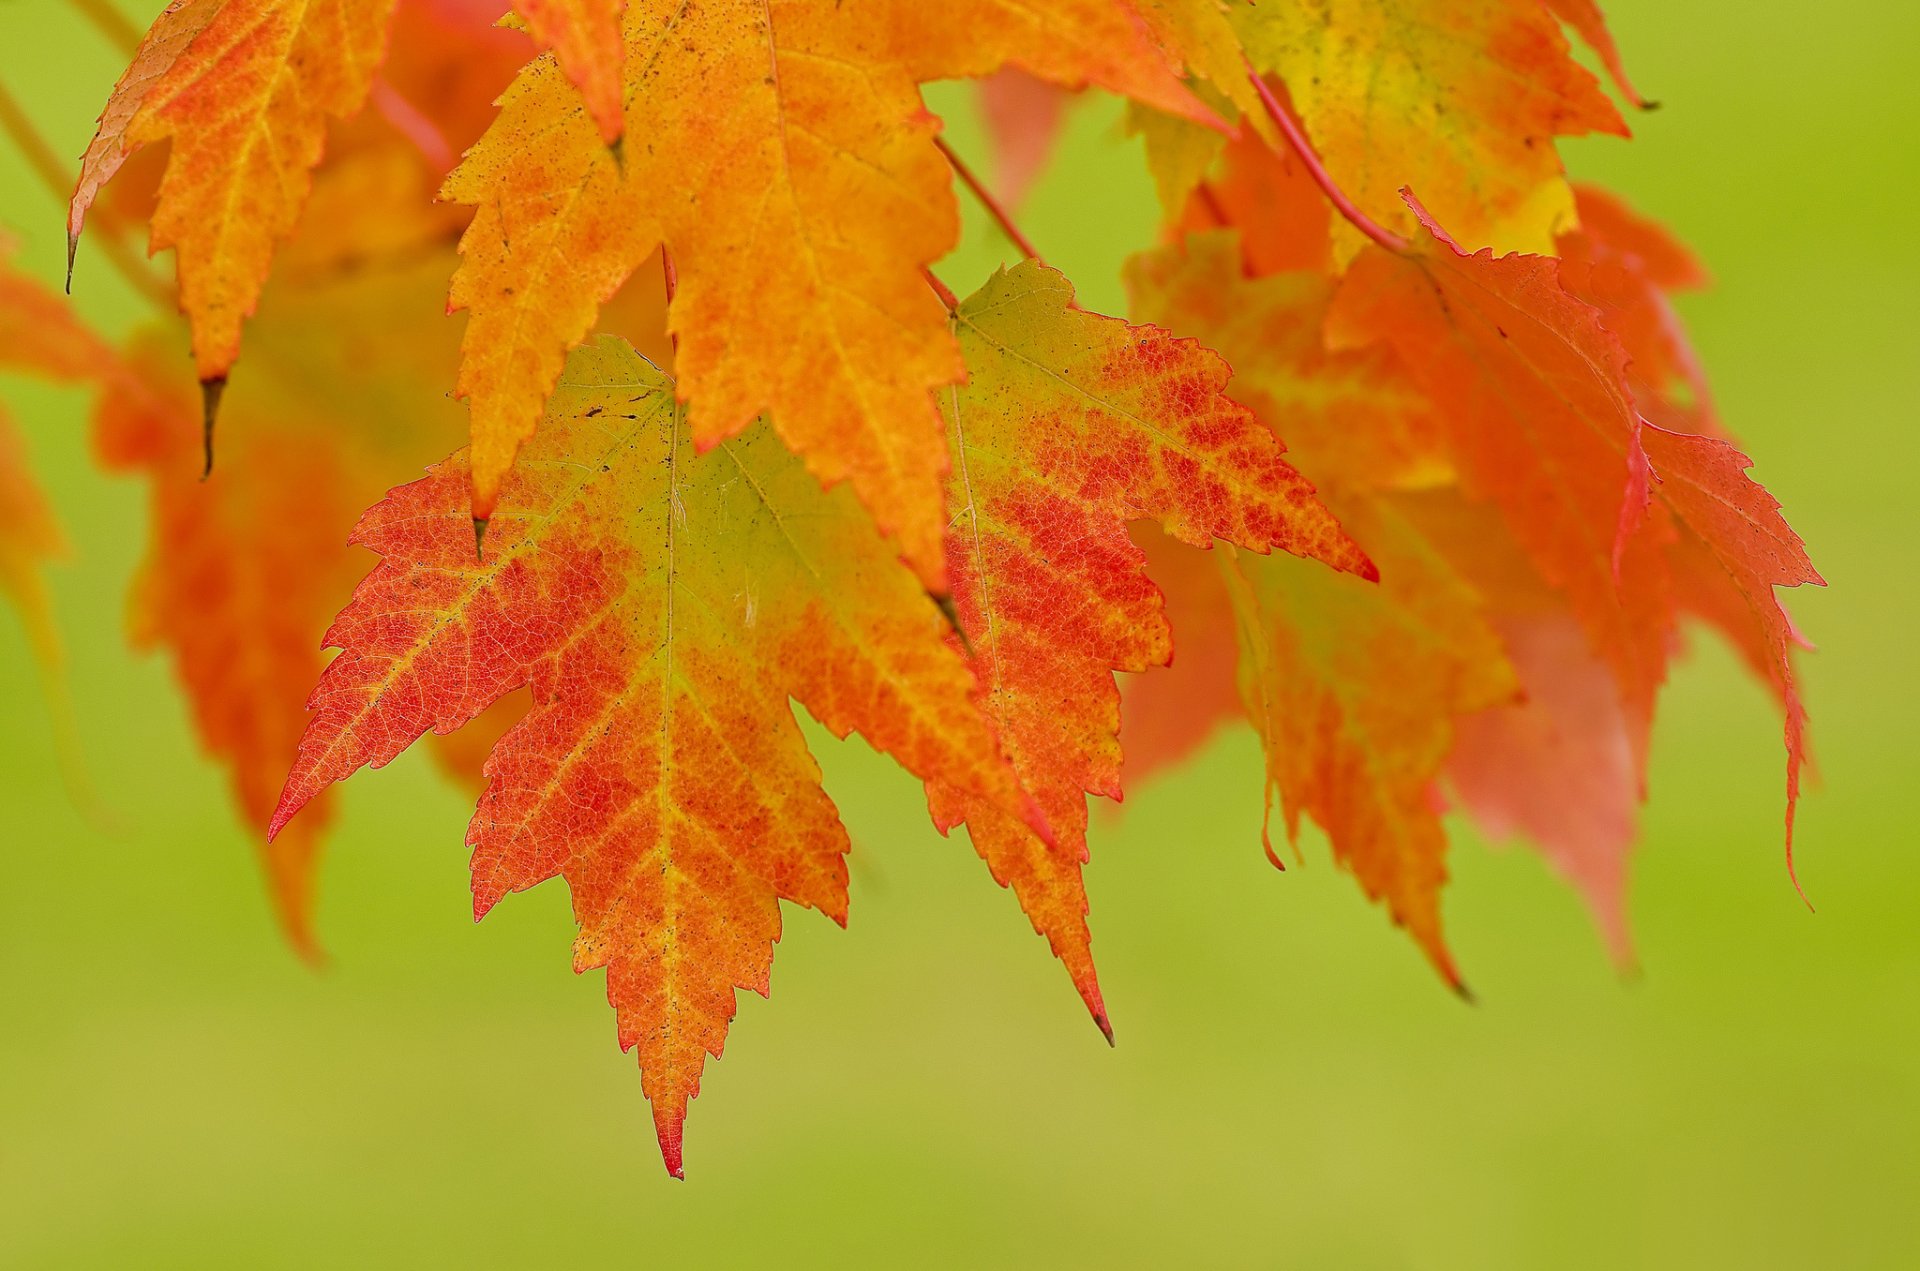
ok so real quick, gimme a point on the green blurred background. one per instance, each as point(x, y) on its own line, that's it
point(1291, 1084)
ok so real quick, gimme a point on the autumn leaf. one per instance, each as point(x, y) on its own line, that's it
point(1070, 426)
point(178, 25)
point(39, 334)
point(789, 166)
point(243, 90)
point(663, 604)
point(1460, 99)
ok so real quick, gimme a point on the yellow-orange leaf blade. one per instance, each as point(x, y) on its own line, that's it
point(244, 91)
point(664, 606)
point(178, 25)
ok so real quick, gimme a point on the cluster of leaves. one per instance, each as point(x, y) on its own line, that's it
point(821, 477)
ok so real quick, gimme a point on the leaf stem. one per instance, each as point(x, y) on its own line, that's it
point(111, 23)
point(940, 289)
point(1297, 139)
point(53, 174)
point(987, 201)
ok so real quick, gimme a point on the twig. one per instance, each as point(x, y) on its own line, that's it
point(1297, 139)
point(980, 191)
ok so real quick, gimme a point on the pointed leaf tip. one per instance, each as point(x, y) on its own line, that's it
point(211, 390)
point(669, 1127)
point(480, 538)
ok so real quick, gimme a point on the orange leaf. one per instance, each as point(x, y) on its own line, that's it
point(664, 606)
point(243, 89)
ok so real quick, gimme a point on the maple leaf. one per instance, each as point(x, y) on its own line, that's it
point(788, 164)
point(243, 89)
point(1070, 426)
point(663, 605)
point(1460, 99)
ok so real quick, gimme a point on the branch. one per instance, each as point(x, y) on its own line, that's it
point(1297, 139)
point(997, 212)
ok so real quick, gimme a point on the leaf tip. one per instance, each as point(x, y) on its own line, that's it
point(211, 391)
point(668, 1127)
point(480, 538)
